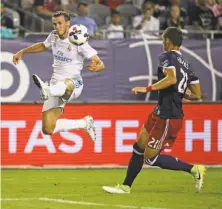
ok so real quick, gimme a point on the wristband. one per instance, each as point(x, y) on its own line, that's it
point(149, 88)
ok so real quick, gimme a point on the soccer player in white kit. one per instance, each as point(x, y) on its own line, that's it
point(66, 82)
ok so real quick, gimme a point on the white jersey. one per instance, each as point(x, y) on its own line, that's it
point(68, 58)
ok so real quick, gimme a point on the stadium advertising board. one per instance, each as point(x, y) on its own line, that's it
point(117, 127)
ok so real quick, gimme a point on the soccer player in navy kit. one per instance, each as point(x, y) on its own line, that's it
point(163, 124)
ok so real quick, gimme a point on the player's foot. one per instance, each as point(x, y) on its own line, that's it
point(42, 86)
point(90, 127)
point(118, 189)
point(198, 172)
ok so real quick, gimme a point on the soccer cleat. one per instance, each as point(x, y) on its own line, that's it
point(198, 172)
point(42, 86)
point(118, 189)
point(90, 129)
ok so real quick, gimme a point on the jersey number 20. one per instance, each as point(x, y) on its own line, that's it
point(183, 83)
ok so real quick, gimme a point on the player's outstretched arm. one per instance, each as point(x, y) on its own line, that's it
point(35, 48)
point(96, 64)
point(168, 80)
point(194, 92)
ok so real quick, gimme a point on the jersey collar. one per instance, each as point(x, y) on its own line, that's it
point(176, 52)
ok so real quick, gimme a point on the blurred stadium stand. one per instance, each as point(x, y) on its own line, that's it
point(27, 21)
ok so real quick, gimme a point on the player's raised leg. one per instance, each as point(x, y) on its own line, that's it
point(173, 163)
point(42, 86)
point(62, 88)
point(163, 135)
point(51, 122)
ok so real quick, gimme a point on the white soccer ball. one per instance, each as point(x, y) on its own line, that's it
point(78, 34)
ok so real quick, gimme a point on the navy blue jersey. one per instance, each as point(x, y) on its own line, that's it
point(170, 99)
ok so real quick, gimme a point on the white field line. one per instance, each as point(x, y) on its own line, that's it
point(76, 202)
point(18, 199)
point(86, 203)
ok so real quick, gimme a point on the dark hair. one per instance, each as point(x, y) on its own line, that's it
point(175, 35)
point(62, 13)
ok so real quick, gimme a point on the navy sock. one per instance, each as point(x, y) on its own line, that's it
point(135, 165)
point(171, 163)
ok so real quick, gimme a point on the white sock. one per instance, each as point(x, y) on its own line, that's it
point(58, 89)
point(67, 125)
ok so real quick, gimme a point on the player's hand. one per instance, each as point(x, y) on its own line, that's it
point(92, 66)
point(135, 90)
point(17, 57)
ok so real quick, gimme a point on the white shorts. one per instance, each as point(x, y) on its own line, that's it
point(54, 102)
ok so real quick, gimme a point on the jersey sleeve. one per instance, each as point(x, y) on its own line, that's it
point(192, 78)
point(165, 61)
point(49, 40)
point(87, 51)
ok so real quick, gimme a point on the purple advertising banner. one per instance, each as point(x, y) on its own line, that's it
point(128, 63)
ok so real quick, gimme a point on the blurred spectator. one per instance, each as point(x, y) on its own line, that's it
point(6, 21)
point(210, 3)
point(146, 22)
point(192, 8)
point(183, 12)
point(46, 8)
point(113, 4)
point(6, 25)
point(175, 19)
point(203, 17)
point(115, 29)
point(83, 19)
point(217, 8)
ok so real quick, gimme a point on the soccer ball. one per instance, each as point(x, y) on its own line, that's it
point(78, 34)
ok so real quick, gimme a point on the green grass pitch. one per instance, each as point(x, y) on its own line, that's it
point(78, 189)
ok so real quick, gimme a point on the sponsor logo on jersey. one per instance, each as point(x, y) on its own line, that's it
point(59, 56)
